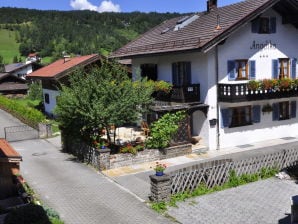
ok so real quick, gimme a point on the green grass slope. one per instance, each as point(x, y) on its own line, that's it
point(8, 46)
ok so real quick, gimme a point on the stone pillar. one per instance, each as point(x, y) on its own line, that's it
point(104, 159)
point(294, 210)
point(44, 130)
point(160, 188)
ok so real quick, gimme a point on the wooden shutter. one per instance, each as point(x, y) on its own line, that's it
point(275, 69)
point(225, 117)
point(293, 68)
point(252, 69)
point(272, 24)
point(188, 73)
point(255, 26)
point(231, 70)
point(175, 75)
point(275, 112)
point(293, 109)
point(256, 114)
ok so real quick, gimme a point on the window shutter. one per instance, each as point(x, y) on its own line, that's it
point(188, 73)
point(275, 69)
point(293, 68)
point(252, 69)
point(256, 113)
point(275, 112)
point(293, 109)
point(231, 70)
point(255, 26)
point(225, 117)
point(175, 75)
point(273, 25)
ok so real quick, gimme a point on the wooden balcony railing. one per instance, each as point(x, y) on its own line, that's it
point(182, 94)
point(240, 92)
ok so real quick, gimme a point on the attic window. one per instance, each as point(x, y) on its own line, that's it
point(264, 25)
point(182, 20)
point(185, 21)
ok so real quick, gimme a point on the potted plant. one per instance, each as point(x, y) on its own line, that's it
point(267, 108)
point(159, 168)
point(253, 85)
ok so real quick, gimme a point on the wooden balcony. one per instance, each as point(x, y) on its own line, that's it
point(234, 93)
point(183, 94)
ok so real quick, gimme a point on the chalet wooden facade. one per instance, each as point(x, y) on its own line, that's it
point(9, 167)
point(212, 57)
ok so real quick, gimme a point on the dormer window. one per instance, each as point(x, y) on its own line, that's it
point(264, 25)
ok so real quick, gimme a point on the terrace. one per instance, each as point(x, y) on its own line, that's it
point(257, 90)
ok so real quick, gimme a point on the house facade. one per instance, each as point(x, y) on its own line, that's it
point(57, 73)
point(212, 57)
point(20, 70)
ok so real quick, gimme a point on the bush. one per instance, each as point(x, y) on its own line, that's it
point(35, 91)
point(163, 130)
point(28, 115)
point(29, 214)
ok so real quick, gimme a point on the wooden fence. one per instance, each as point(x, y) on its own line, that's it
point(215, 173)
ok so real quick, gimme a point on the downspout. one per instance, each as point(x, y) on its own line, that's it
point(217, 105)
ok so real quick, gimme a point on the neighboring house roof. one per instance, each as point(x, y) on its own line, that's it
point(7, 152)
point(62, 66)
point(204, 30)
point(11, 83)
point(16, 66)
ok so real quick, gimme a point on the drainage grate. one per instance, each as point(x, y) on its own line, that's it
point(288, 138)
point(39, 154)
point(244, 146)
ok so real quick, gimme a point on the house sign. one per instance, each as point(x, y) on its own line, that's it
point(267, 45)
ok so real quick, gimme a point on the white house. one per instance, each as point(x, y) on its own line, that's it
point(52, 75)
point(211, 57)
point(20, 70)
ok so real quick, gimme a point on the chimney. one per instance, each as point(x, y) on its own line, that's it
point(211, 4)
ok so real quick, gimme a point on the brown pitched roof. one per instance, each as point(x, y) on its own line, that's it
point(200, 34)
point(63, 66)
point(7, 151)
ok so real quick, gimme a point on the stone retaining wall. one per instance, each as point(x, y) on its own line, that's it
point(103, 160)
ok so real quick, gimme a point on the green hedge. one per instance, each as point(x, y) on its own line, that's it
point(27, 115)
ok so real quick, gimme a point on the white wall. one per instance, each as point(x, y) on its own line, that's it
point(265, 130)
point(239, 46)
point(49, 107)
point(23, 72)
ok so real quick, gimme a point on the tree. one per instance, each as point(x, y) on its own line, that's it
point(103, 97)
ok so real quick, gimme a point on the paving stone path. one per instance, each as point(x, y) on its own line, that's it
point(263, 202)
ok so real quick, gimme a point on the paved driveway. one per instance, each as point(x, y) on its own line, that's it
point(76, 191)
point(6, 120)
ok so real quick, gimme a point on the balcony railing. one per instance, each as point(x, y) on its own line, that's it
point(183, 94)
point(240, 92)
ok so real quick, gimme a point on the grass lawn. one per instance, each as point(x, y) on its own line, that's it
point(8, 46)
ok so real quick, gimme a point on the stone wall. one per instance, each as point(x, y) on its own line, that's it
point(103, 160)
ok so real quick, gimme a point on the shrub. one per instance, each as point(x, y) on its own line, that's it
point(35, 91)
point(27, 115)
point(163, 130)
point(253, 85)
point(29, 214)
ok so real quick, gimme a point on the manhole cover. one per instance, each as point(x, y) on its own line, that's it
point(39, 154)
point(244, 146)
